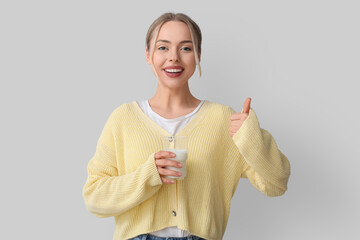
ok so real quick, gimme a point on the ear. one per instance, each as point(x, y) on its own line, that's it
point(148, 56)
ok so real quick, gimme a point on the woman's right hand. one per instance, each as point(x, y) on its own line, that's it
point(161, 162)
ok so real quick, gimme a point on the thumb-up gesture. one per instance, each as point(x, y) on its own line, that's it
point(237, 119)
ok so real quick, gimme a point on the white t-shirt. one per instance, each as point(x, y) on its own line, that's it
point(172, 126)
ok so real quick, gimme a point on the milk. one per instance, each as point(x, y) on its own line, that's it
point(181, 156)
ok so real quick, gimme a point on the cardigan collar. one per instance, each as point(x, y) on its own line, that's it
point(186, 130)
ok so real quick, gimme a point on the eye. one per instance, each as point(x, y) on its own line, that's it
point(162, 48)
point(186, 49)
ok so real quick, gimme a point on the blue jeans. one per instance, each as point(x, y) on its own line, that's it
point(152, 237)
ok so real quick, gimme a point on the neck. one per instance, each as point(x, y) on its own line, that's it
point(173, 99)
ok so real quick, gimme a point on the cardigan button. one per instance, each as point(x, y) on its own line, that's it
point(173, 213)
point(171, 139)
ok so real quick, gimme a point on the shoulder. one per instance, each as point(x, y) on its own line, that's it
point(219, 108)
point(124, 108)
point(121, 112)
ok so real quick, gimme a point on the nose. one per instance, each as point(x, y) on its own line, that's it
point(173, 56)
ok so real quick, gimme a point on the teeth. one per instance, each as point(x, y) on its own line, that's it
point(173, 70)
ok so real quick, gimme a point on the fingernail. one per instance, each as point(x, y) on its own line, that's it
point(173, 155)
point(180, 165)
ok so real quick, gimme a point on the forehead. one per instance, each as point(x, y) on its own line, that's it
point(174, 31)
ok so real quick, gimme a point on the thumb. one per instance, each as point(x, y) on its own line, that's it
point(246, 107)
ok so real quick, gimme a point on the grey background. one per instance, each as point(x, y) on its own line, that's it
point(66, 65)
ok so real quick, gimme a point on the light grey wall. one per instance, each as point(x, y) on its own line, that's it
point(65, 65)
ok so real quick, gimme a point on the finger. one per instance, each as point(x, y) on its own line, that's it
point(234, 128)
point(168, 172)
point(238, 120)
point(235, 116)
point(167, 181)
point(246, 107)
point(167, 163)
point(233, 131)
point(164, 154)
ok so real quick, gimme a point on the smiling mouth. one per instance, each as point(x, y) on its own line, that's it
point(173, 70)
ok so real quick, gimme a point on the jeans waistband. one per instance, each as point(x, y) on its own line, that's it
point(152, 237)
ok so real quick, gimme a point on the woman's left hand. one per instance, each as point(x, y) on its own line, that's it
point(237, 119)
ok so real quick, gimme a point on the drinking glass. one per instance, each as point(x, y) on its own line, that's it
point(177, 145)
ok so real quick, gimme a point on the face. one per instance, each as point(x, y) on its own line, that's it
point(174, 57)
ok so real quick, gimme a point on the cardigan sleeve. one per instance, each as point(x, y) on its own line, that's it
point(266, 167)
point(108, 194)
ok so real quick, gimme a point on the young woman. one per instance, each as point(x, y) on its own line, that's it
point(127, 176)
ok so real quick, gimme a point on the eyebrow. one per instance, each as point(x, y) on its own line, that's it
point(166, 41)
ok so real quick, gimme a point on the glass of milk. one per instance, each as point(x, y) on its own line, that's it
point(177, 145)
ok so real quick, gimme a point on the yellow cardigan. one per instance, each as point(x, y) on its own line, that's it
point(123, 180)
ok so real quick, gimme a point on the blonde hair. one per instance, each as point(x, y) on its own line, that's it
point(195, 33)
